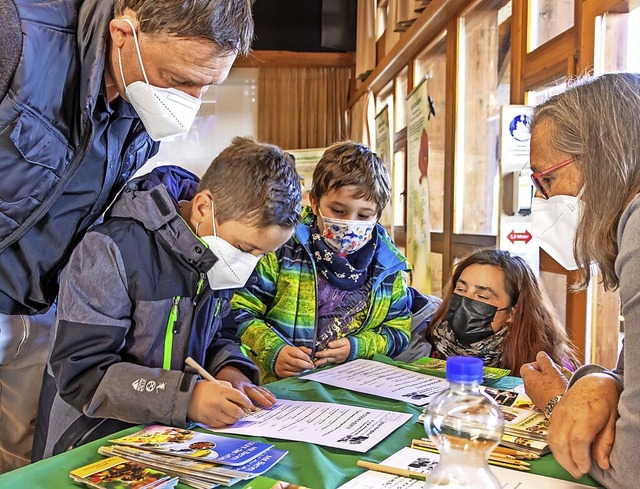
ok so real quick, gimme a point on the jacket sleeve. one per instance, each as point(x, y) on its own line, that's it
point(391, 336)
point(94, 317)
point(225, 349)
point(250, 306)
point(624, 470)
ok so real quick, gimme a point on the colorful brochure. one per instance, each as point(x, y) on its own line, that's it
point(195, 445)
point(119, 473)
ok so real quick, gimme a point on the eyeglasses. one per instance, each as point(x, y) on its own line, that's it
point(535, 177)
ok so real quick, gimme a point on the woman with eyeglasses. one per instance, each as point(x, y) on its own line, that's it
point(585, 144)
point(495, 309)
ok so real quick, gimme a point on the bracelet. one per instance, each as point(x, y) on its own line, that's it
point(548, 409)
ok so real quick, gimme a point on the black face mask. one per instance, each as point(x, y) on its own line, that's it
point(469, 319)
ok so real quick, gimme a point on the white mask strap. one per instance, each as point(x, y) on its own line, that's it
point(213, 218)
point(135, 40)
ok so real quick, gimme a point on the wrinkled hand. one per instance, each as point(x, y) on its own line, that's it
point(543, 380)
point(337, 351)
point(258, 394)
point(217, 404)
point(583, 423)
point(293, 360)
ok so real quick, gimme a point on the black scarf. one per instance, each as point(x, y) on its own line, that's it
point(346, 272)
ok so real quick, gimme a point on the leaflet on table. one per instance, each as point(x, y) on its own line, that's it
point(380, 379)
point(116, 472)
point(192, 444)
point(334, 425)
point(179, 465)
point(436, 367)
point(421, 461)
point(525, 426)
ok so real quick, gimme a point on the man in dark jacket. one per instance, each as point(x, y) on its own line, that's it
point(85, 89)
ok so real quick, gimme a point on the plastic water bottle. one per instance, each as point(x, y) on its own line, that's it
point(466, 425)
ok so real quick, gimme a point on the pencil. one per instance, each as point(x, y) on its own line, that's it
point(198, 368)
point(494, 459)
point(281, 336)
point(386, 469)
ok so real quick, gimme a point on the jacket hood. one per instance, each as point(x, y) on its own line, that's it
point(152, 199)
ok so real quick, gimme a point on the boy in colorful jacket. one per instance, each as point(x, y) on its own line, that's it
point(336, 290)
point(149, 286)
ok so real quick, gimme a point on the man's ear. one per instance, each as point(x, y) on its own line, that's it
point(120, 29)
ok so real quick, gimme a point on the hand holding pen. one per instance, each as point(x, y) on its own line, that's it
point(216, 403)
point(292, 360)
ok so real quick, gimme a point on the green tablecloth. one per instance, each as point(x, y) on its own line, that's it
point(310, 465)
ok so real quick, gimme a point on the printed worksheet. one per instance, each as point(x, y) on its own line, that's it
point(334, 425)
point(383, 380)
point(422, 461)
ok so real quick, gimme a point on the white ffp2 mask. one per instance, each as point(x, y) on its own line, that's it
point(554, 222)
point(233, 268)
point(165, 112)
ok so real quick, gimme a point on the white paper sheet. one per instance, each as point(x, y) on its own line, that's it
point(421, 461)
point(380, 379)
point(322, 423)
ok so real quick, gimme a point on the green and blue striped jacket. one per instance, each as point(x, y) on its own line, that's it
point(281, 294)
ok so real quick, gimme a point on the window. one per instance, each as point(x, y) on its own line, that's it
point(235, 102)
point(483, 87)
point(431, 64)
point(547, 19)
point(616, 41)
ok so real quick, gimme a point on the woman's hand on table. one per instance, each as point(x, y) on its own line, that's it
point(337, 351)
point(293, 360)
point(259, 395)
point(543, 380)
point(583, 424)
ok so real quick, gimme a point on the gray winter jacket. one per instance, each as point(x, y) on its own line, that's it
point(134, 303)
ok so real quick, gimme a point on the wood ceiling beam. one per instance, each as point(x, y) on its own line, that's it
point(273, 59)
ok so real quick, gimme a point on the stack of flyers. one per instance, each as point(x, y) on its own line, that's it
point(194, 445)
point(196, 473)
point(119, 473)
point(200, 460)
point(525, 426)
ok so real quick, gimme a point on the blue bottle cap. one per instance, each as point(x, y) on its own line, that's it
point(464, 369)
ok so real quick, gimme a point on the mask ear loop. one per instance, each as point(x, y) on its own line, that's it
point(135, 40)
point(213, 218)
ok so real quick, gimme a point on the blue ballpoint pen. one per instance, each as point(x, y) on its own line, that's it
point(281, 336)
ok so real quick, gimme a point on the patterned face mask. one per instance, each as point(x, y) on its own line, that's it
point(346, 236)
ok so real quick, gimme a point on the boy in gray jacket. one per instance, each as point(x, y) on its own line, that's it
point(150, 285)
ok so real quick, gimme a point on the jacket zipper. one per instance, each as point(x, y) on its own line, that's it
point(172, 329)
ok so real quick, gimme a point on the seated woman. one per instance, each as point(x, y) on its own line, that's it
point(495, 309)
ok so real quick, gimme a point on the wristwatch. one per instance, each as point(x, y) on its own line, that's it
point(548, 409)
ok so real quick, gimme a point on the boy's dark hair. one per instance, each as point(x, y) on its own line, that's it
point(255, 183)
point(349, 163)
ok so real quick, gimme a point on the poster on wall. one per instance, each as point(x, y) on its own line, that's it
point(383, 148)
point(418, 221)
point(516, 234)
point(306, 161)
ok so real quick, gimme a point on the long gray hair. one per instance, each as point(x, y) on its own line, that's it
point(599, 119)
point(228, 23)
